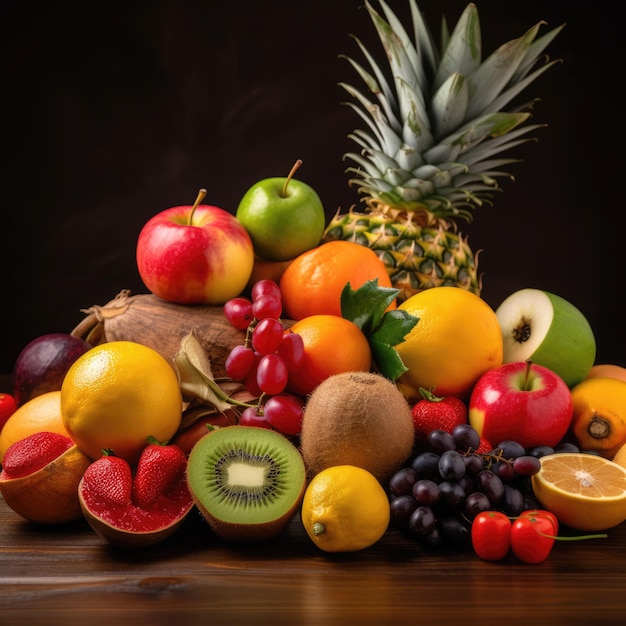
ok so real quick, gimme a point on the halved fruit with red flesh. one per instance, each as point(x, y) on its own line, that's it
point(40, 476)
point(106, 497)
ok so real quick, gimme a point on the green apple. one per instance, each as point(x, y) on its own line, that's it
point(283, 216)
point(547, 330)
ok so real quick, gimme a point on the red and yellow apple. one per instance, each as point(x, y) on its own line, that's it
point(195, 254)
point(523, 402)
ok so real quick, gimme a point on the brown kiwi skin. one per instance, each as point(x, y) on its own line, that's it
point(357, 418)
point(248, 533)
point(251, 533)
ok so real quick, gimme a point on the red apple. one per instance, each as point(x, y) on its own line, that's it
point(523, 402)
point(198, 254)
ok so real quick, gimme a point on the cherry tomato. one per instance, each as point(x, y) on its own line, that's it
point(532, 538)
point(491, 533)
point(8, 406)
point(543, 513)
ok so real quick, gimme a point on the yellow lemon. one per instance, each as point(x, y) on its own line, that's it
point(584, 491)
point(40, 414)
point(117, 395)
point(456, 340)
point(345, 509)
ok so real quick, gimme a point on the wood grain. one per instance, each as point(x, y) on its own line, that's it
point(66, 574)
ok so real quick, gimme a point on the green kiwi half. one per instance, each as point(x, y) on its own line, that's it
point(247, 482)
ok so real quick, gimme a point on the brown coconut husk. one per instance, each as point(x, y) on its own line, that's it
point(161, 325)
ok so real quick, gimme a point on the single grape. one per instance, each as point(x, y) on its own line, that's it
point(526, 465)
point(238, 312)
point(426, 465)
point(267, 335)
point(422, 521)
point(251, 417)
point(267, 306)
point(439, 441)
point(238, 362)
point(284, 412)
point(401, 483)
point(510, 449)
point(466, 483)
point(455, 533)
point(474, 463)
point(250, 381)
point(400, 510)
point(426, 492)
point(291, 349)
point(539, 451)
point(265, 287)
point(530, 502)
point(504, 470)
point(466, 437)
point(452, 495)
point(475, 503)
point(271, 374)
point(432, 540)
point(566, 446)
point(512, 502)
point(451, 465)
point(491, 485)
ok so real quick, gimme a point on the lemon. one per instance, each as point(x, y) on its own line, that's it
point(345, 509)
point(585, 491)
point(117, 395)
point(39, 414)
point(455, 341)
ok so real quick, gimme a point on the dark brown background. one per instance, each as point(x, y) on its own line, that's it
point(112, 112)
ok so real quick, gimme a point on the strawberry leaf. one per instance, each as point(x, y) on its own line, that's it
point(367, 308)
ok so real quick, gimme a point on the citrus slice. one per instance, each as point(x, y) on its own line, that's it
point(584, 491)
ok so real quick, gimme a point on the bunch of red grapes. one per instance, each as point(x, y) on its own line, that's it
point(268, 358)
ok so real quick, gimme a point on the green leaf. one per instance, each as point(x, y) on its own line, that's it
point(395, 324)
point(367, 308)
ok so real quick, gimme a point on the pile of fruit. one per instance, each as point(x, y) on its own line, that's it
point(343, 373)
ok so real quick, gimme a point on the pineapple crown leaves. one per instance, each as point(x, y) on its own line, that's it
point(440, 109)
point(367, 308)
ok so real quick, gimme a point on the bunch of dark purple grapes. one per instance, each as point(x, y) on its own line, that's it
point(435, 497)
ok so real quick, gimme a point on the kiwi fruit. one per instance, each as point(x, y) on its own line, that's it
point(357, 418)
point(247, 482)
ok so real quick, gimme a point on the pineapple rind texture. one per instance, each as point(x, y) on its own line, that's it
point(416, 257)
point(436, 127)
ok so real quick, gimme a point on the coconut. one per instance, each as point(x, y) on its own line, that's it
point(360, 419)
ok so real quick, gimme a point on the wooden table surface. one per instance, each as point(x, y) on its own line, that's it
point(68, 574)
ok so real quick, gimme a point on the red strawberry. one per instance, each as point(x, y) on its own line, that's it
point(34, 452)
point(484, 446)
point(109, 480)
point(159, 467)
point(434, 412)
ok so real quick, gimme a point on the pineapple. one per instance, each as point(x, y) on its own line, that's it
point(436, 127)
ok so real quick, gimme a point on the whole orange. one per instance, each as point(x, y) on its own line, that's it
point(313, 282)
point(455, 341)
point(332, 345)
